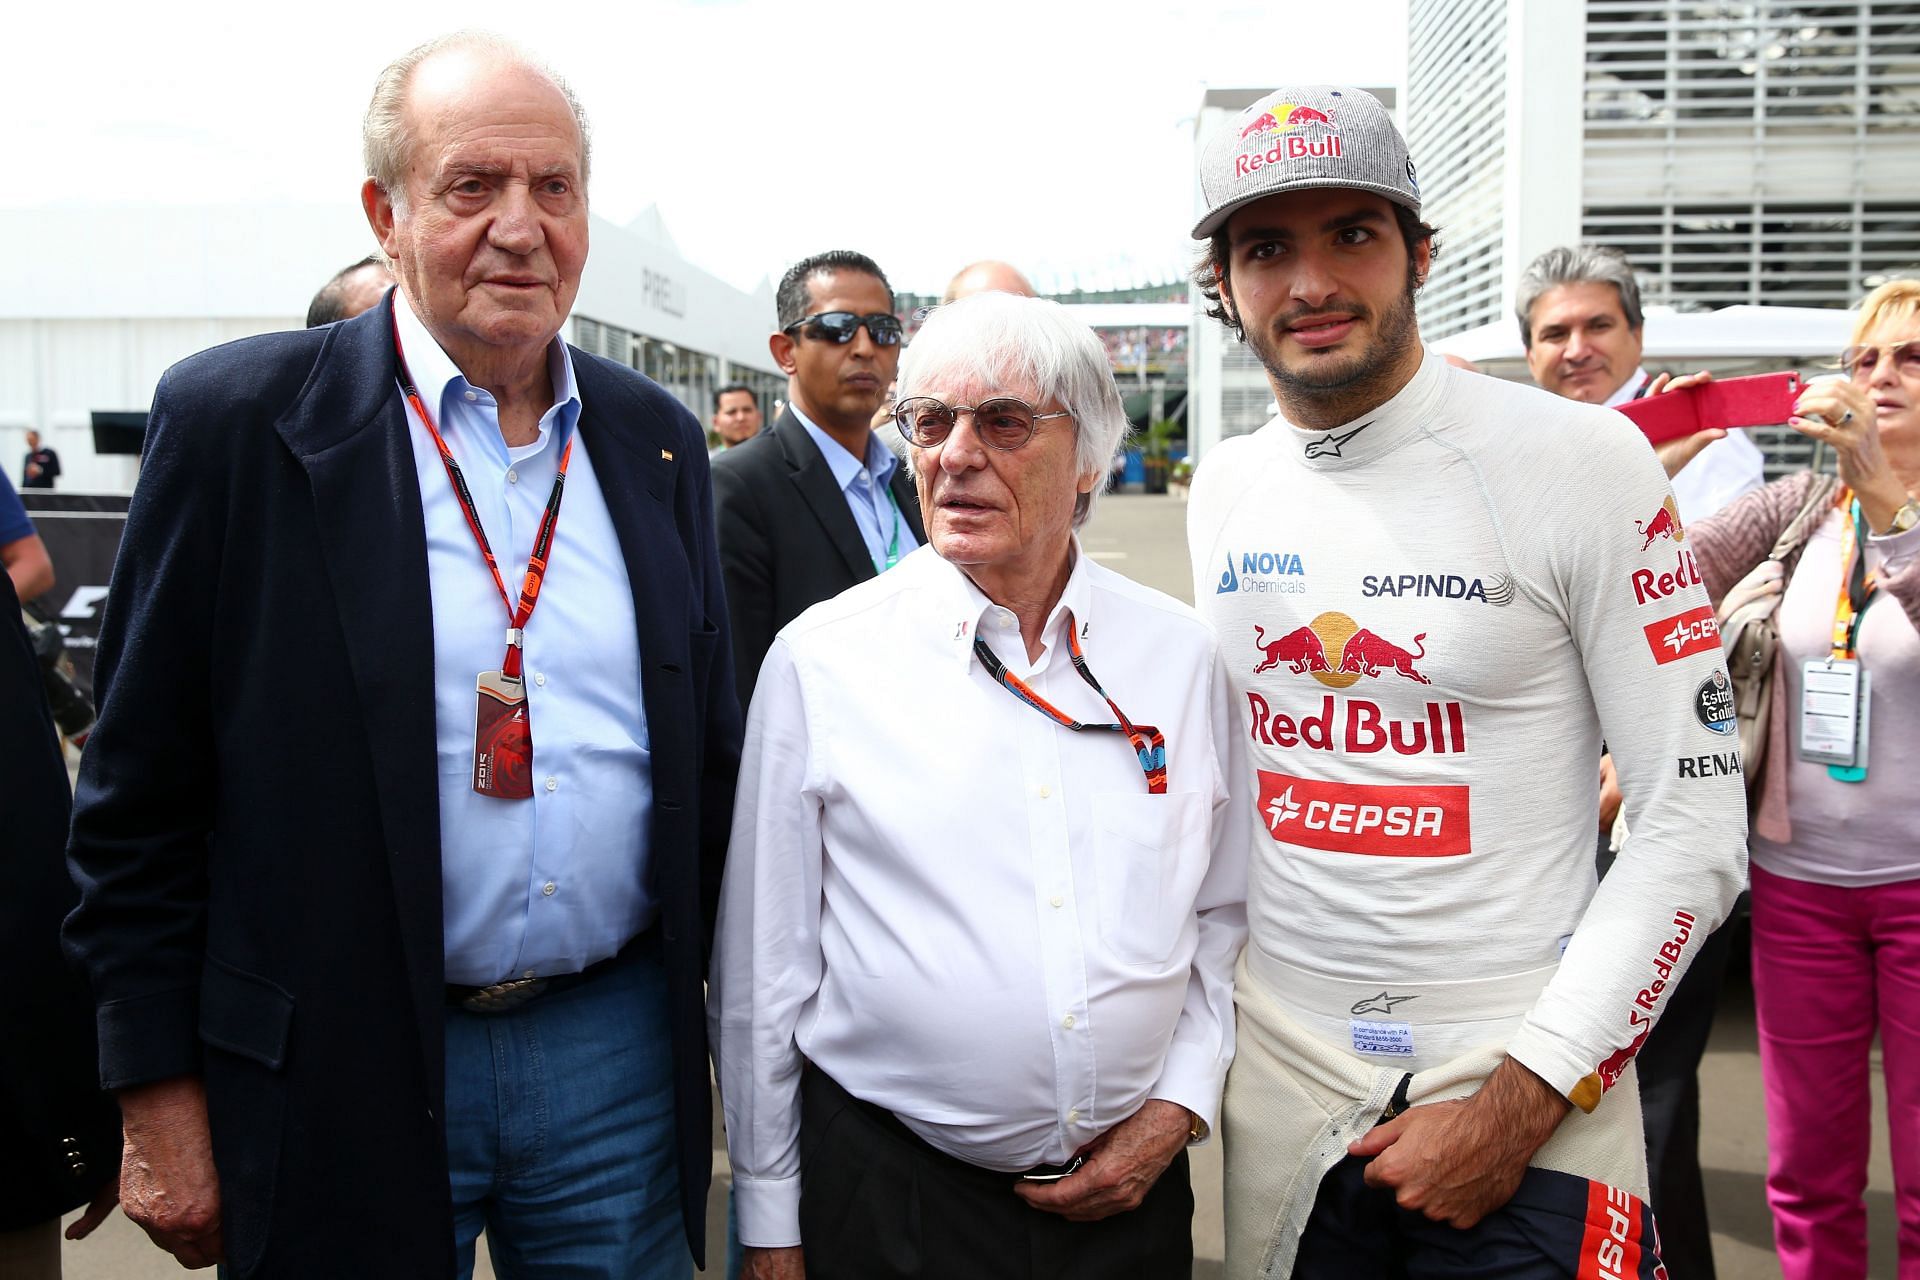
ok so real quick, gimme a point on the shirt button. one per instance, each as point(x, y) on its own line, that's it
point(1045, 791)
point(1057, 900)
point(473, 395)
point(553, 783)
point(1067, 1022)
point(513, 477)
point(1073, 1116)
point(540, 678)
point(547, 888)
point(529, 973)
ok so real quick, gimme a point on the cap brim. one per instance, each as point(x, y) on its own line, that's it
point(1215, 220)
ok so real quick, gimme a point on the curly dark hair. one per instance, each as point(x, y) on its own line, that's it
point(1211, 267)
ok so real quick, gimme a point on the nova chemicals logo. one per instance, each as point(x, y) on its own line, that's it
point(1263, 572)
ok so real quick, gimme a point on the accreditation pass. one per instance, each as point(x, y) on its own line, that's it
point(1833, 712)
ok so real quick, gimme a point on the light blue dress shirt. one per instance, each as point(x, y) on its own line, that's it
point(552, 884)
point(865, 485)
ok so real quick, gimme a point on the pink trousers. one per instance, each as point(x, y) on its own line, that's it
point(1830, 966)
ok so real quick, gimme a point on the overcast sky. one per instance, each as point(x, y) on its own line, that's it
point(1058, 135)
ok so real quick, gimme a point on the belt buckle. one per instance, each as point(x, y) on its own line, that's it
point(502, 996)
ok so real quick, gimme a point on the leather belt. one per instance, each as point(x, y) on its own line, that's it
point(512, 993)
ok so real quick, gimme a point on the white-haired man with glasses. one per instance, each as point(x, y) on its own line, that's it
point(972, 991)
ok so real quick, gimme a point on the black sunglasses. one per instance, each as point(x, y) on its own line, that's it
point(839, 327)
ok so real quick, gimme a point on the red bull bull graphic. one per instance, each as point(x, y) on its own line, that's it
point(1361, 653)
point(1300, 649)
point(1374, 821)
point(1665, 524)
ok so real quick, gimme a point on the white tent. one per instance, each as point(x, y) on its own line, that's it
point(1730, 341)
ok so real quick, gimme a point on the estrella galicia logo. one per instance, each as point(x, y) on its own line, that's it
point(1713, 705)
point(1264, 572)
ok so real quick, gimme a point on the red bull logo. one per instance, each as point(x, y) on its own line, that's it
point(1665, 524)
point(1362, 653)
point(1363, 728)
point(1275, 124)
point(1640, 1014)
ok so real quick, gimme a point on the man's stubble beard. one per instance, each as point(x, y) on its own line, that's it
point(1331, 390)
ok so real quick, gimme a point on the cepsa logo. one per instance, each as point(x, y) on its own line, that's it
point(1276, 125)
point(1390, 822)
point(1665, 524)
point(1264, 572)
point(1610, 1247)
point(1683, 635)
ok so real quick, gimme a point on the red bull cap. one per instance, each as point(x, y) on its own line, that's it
point(1299, 137)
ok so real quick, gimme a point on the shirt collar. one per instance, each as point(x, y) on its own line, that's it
point(1371, 435)
point(966, 614)
point(879, 463)
point(1628, 389)
point(438, 378)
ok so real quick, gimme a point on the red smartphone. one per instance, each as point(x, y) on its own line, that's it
point(1762, 400)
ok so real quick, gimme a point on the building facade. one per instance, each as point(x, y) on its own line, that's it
point(1765, 152)
point(109, 297)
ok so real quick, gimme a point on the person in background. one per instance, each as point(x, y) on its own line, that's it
point(972, 996)
point(1583, 328)
point(736, 417)
point(817, 502)
point(1836, 868)
point(22, 552)
point(59, 1134)
point(42, 465)
point(987, 276)
point(352, 290)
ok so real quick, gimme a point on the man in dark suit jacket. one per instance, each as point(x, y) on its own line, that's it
point(284, 852)
point(819, 502)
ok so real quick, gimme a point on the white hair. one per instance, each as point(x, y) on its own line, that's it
point(385, 139)
point(1029, 347)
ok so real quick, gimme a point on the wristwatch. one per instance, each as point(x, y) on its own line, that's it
point(1904, 519)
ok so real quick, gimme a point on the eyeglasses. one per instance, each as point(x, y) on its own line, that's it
point(838, 327)
point(1001, 423)
point(1861, 361)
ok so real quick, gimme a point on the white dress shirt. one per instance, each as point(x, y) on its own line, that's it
point(553, 883)
point(1719, 473)
point(959, 910)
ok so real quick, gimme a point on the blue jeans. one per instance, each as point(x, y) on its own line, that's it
point(560, 1138)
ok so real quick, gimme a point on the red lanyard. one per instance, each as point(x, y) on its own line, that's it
point(542, 540)
point(1148, 744)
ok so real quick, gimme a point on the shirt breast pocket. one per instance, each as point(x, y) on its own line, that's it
point(1149, 858)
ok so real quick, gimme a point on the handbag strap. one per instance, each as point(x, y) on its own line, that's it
point(1813, 511)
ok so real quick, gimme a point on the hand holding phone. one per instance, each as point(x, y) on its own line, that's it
point(1763, 400)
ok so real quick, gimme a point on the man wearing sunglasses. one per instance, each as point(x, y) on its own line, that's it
point(817, 503)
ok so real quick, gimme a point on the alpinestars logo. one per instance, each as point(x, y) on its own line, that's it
point(1382, 1003)
point(1330, 445)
